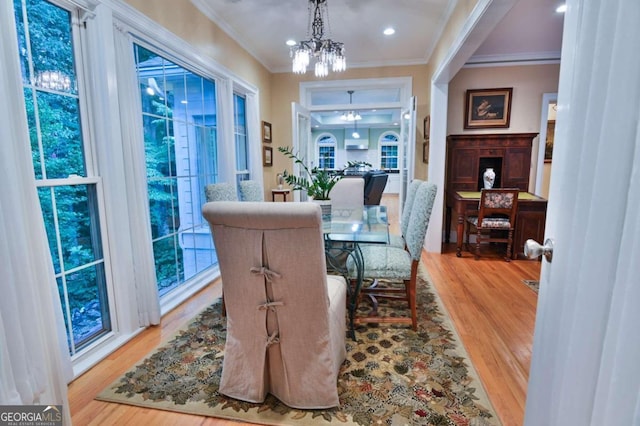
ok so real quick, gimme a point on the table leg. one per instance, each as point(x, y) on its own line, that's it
point(460, 236)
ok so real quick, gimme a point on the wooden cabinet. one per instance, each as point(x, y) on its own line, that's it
point(509, 154)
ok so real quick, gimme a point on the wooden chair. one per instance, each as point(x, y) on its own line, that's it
point(285, 316)
point(395, 263)
point(494, 219)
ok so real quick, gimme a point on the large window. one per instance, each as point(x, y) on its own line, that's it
point(179, 116)
point(67, 183)
point(388, 143)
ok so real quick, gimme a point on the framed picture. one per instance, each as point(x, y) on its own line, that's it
point(267, 156)
point(266, 132)
point(548, 146)
point(487, 108)
point(425, 152)
point(426, 125)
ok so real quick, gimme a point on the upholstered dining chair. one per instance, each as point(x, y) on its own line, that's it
point(285, 316)
point(348, 194)
point(222, 191)
point(399, 240)
point(495, 219)
point(395, 263)
point(251, 190)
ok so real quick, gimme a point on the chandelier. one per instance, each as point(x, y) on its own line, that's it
point(351, 115)
point(325, 52)
point(53, 80)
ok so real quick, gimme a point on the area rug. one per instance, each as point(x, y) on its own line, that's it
point(392, 376)
point(532, 284)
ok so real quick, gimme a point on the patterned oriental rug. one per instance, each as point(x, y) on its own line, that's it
point(392, 376)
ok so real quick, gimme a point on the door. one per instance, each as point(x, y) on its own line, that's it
point(301, 119)
point(586, 342)
point(407, 148)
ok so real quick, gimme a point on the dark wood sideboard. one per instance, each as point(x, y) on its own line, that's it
point(509, 154)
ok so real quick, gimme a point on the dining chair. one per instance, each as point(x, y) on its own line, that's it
point(395, 263)
point(222, 191)
point(399, 240)
point(347, 194)
point(374, 183)
point(494, 222)
point(251, 190)
point(286, 320)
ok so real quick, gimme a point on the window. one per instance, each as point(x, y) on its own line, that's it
point(388, 143)
point(326, 144)
point(67, 183)
point(179, 115)
point(240, 135)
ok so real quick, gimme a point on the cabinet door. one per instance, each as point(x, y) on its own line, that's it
point(529, 224)
point(517, 162)
point(464, 169)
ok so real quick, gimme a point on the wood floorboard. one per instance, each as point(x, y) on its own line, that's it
point(492, 310)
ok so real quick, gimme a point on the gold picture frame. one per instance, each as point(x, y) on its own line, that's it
point(267, 156)
point(266, 132)
point(487, 108)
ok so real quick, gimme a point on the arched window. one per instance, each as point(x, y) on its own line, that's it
point(326, 153)
point(388, 143)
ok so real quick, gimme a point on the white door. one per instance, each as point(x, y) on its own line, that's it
point(407, 148)
point(301, 119)
point(584, 368)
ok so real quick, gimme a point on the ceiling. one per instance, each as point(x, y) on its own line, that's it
point(530, 32)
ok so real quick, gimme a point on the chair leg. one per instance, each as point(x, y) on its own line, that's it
point(477, 253)
point(509, 246)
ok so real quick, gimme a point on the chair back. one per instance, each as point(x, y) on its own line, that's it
point(408, 204)
point(279, 335)
point(348, 194)
point(419, 219)
point(251, 190)
point(498, 204)
point(375, 182)
point(222, 191)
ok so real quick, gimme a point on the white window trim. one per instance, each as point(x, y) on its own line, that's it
point(382, 142)
point(333, 143)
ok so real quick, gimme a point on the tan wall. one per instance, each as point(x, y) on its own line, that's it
point(286, 89)
point(529, 84)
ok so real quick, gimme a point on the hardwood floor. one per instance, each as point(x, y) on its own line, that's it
point(492, 310)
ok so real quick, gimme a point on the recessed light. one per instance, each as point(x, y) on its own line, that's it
point(389, 31)
point(291, 43)
point(562, 8)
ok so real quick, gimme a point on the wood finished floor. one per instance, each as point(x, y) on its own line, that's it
point(492, 310)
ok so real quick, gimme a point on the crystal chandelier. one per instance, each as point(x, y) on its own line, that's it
point(351, 115)
point(53, 80)
point(325, 52)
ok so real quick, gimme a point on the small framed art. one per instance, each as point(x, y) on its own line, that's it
point(266, 132)
point(487, 108)
point(267, 156)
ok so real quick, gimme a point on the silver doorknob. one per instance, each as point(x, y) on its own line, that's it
point(533, 249)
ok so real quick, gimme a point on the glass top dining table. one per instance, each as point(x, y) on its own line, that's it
point(344, 231)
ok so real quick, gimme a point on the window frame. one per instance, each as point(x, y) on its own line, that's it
point(333, 144)
point(382, 142)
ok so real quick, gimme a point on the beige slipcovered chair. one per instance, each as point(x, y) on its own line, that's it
point(285, 316)
point(348, 193)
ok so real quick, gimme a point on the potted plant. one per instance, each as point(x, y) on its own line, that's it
point(316, 182)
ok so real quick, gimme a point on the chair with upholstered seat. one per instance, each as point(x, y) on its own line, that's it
point(251, 190)
point(495, 219)
point(222, 191)
point(347, 194)
point(395, 263)
point(285, 316)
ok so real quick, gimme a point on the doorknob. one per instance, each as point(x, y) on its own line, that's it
point(533, 249)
